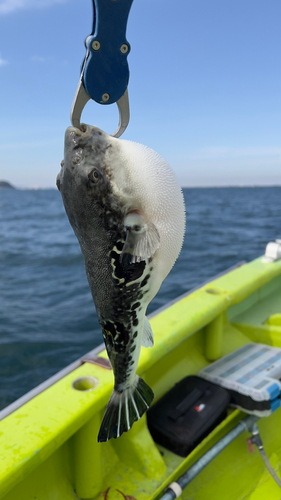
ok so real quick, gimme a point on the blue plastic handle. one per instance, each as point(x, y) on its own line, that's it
point(106, 70)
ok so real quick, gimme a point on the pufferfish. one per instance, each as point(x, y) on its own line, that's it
point(126, 208)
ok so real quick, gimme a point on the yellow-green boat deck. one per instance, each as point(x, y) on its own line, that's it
point(49, 449)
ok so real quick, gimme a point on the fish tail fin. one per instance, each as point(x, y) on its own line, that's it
point(125, 408)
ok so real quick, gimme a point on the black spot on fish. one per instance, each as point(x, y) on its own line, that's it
point(136, 305)
point(145, 280)
point(133, 271)
point(136, 322)
point(135, 335)
point(117, 333)
point(116, 281)
point(133, 348)
point(119, 245)
point(125, 269)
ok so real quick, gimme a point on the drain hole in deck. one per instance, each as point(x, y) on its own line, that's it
point(85, 384)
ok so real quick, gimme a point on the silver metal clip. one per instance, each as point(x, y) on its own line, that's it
point(124, 114)
point(82, 97)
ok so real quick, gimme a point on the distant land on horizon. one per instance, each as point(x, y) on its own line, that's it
point(6, 185)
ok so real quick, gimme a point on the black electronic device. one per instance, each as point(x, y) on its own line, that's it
point(187, 414)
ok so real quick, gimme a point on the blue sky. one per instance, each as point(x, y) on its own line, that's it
point(205, 87)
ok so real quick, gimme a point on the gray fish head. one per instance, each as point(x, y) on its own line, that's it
point(85, 177)
point(84, 150)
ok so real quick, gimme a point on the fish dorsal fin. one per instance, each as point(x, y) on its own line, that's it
point(142, 239)
point(147, 335)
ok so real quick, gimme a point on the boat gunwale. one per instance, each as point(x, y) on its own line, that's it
point(203, 307)
point(18, 403)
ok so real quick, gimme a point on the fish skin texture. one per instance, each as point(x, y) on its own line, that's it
point(126, 208)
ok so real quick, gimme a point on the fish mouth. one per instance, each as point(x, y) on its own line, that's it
point(84, 131)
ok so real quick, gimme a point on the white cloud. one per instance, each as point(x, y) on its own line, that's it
point(8, 6)
point(40, 59)
point(3, 62)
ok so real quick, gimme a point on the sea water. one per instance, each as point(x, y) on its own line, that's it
point(47, 316)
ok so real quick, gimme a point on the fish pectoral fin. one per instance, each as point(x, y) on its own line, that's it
point(142, 239)
point(147, 335)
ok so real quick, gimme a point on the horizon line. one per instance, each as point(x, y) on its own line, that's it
point(235, 186)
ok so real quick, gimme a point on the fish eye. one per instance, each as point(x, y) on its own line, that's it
point(94, 176)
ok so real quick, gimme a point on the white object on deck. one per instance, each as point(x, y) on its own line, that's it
point(272, 251)
point(254, 372)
